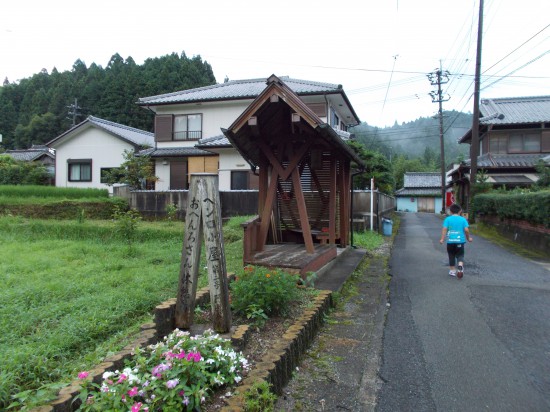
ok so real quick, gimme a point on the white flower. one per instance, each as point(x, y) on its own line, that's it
point(238, 379)
point(107, 375)
point(210, 361)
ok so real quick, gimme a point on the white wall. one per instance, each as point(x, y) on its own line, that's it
point(404, 204)
point(104, 149)
point(214, 117)
point(229, 160)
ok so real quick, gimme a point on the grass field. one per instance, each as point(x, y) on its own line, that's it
point(75, 292)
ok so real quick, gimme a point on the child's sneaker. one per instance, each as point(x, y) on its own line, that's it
point(452, 273)
point(460, 272)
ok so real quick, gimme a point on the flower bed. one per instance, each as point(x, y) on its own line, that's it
point(177, 374)
point(274, 351)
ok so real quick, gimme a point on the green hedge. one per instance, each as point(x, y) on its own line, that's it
point(532, 207)
point(26, 191)
point(65, 209)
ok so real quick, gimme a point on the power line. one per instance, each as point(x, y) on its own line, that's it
point(519, 68)
point(389, 83)
point(517, 48)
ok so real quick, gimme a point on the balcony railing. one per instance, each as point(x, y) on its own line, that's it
point(191, 135)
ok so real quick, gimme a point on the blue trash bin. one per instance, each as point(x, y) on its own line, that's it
point(387, 226)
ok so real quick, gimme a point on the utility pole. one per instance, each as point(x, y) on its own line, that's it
point(74, 111)
point(439, 77)
point(474, 145)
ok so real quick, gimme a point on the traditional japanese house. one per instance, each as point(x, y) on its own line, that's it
point(514, 136)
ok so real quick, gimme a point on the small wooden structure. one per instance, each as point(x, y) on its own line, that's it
point(304, 181)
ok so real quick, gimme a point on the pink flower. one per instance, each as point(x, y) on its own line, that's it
point(195, 357)
point(136, 407)
point(172, 383)
point(133, 391)
point(122, 378)
point(83, 375)
point(157, 370)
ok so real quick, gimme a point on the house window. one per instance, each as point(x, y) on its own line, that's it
point(497, 144)
point(80, 170)
point(239, 180)
point(334, 119)
point(188, 127)
point(524, 143)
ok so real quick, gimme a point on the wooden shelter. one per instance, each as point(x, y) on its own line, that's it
point(304, 181)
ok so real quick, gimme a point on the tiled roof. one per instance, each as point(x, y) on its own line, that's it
point(514, 110)
point(131, 134)
point(422, 180)
point(215, 141)
point(507, 160)
point(418, 192)
point(31, 154)
point(175, 151)
point(511, 179)
point(238, 89)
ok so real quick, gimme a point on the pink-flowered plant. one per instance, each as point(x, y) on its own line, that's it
point(177, 374)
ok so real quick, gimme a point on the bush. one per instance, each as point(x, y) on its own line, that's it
point(14, 172)
point(259, 398)
point(531, 207)
point(263, 289)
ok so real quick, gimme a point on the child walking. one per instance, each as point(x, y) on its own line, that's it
point(455, 230)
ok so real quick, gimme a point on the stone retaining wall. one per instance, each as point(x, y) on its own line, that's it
point(520, 231)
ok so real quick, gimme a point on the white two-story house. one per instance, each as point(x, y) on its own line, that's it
point(188, 123)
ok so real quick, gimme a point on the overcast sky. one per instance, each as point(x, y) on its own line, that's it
point(379, 50)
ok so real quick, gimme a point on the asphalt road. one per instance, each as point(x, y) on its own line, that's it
point(481, 343)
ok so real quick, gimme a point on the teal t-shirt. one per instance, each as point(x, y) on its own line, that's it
point(455, 225)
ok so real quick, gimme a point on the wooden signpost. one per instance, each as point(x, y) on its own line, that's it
point(203, 220)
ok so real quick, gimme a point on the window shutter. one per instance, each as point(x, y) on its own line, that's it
point(163, 128)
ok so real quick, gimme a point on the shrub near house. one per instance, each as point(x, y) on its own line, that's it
point(15, 172)
point(531, 207)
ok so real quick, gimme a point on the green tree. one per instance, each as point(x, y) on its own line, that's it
point(544, 175)
point(41, 129)
point(377, 166)
point(135, 171)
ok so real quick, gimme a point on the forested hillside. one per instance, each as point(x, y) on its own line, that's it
point(36, 109)
point(417, 138)
point(415, 146)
